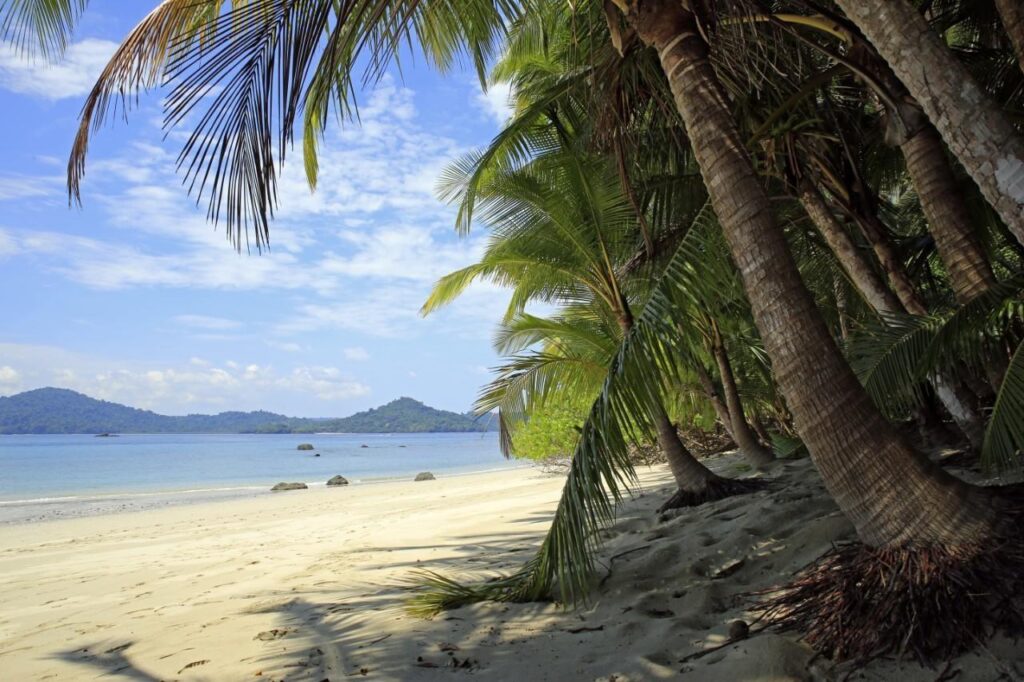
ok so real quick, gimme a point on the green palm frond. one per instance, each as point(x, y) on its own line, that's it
point(252, 71)
point(1004, 436)
point(40, 25)
point(894, 355)
point(601, 470)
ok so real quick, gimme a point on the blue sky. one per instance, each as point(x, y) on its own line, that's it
point(135, 298)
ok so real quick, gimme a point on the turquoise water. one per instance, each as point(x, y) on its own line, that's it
point(83, 470)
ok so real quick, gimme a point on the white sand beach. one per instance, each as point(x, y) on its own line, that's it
point(304, 585)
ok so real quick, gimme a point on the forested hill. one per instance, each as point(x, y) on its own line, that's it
point(404, 415)
point(57, 410)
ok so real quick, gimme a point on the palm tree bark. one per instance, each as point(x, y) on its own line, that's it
point(711, 391)
point(949, 223)
point(971, 124)
point(758, 455)
point(1012, 14)
point(690, 475)
point(893, 495)
point(857, 268)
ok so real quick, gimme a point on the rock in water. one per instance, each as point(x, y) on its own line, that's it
point(338, 480)
point(425, 476)
point(290, 486)
point(364, 445)
point(305, 446)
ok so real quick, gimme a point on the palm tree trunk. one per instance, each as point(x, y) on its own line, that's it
point(690, 475)
point(892, 494)
point(695, 481)
point(711, 391)
point(948, 220)
point(1012, 14)
point(894, 271)
point(880, 297)
point(758, 455)
point(857, 268)
point(971, 124)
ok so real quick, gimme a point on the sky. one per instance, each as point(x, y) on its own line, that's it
point(135, 298)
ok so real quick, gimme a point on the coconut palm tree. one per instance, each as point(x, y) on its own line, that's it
point(970, 122)
point(907, 511)
point(897, 500)
point(561, 226)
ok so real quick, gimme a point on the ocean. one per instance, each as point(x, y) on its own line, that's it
point(59, 476)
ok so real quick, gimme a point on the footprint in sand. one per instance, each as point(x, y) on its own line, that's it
point(271, 635)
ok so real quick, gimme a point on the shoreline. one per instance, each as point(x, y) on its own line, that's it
point(87, 504)
point(312, 586)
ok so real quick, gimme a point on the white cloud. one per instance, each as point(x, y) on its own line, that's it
point(8, 245)
point(359, 255)
point(28, 186)
point(286, 346)
point(10, 380)
point(356, 354)
point(496, 102)
point(72, 76)
point(172, 388)
point(206, 322)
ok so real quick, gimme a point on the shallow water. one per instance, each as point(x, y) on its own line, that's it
point(74, 475)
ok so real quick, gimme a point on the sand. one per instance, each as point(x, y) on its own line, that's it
point(304, 585)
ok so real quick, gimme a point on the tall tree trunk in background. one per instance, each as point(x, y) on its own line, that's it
point(711, 391)
point(857, 268)
point(893, 495)
point(693, 479)
point(1012, 14)
point(948, 220)
point(874, 232)
point(972, 125)
point(882, 300)
point(950, 226)
point(758, 455)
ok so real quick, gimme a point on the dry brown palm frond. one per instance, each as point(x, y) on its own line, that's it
point(136, 65)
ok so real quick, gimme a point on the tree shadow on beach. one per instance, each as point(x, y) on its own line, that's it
point(113, 661)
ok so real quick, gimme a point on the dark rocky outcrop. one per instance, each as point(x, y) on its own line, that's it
point(337, 480)
point(289, 486)
point(305, 446)
point(425, 476)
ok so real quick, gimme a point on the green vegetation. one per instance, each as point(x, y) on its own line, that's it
point(403, 415)
point(56, 410)
point(803, 216)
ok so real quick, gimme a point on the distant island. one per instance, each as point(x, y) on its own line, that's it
point(59, 410)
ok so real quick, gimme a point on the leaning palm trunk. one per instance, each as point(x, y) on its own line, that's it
point(941, 534)
point(950, 226)
point(857, 268)
point(884, 301)
point(971, 124)
point(892, 494)
point(948, 221)
point(696, 483)
point(1012, 14)
point(711, 391)
point(758, 455)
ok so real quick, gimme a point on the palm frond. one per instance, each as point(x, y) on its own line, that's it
point(43, 26)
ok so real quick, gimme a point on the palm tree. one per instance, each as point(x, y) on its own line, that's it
point(906, 510)
point(974, 127)
point(1012, 14)
point(560, 227)
point(897, 500)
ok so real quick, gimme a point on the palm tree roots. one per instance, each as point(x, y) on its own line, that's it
point(716, 489)
point(858, 602)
